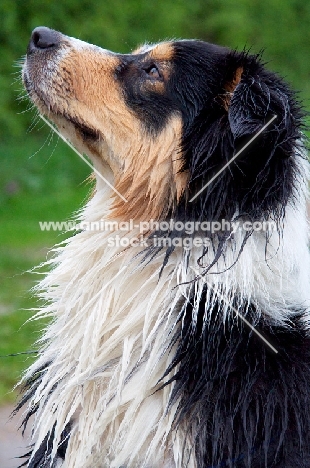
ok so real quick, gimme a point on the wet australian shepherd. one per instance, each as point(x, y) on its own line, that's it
point(191, 347)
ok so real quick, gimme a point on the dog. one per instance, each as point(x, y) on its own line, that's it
point(184, 343)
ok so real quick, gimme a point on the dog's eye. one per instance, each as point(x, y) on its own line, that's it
point(152, 71)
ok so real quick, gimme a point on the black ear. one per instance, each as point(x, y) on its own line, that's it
point(260, 181)
point(259, 98)
point(265, 121)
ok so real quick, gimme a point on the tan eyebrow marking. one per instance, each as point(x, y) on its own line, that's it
point(163, 51)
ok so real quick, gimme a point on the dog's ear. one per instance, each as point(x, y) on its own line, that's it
point(254, 96)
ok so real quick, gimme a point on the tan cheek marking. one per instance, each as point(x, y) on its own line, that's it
point(153, 182)
point(180, 176)
point(94, 81)
point(97, 101)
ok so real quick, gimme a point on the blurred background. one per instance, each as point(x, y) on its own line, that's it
point(42, 179)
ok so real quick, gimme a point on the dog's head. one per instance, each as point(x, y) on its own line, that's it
point(167, 118)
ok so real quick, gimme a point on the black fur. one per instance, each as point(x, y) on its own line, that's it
point(42, 457)
point(247, 406)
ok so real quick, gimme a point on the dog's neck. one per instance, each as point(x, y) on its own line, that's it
point(115, 316)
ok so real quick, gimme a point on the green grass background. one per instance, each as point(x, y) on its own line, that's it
point(51, 193)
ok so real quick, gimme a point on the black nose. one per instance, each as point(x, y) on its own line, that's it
point(43, 38)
